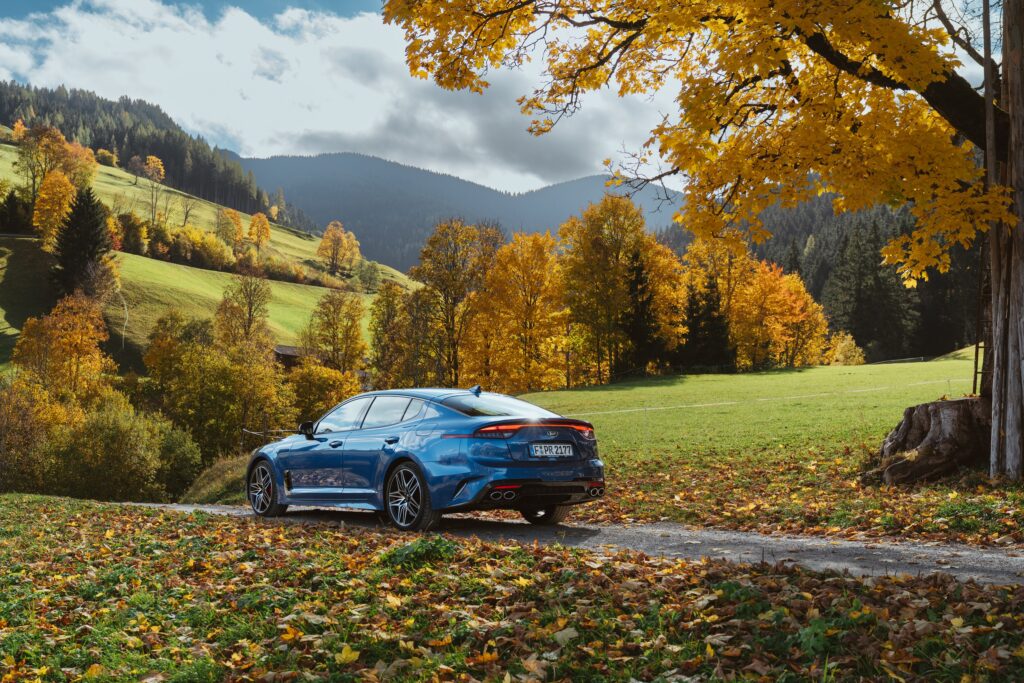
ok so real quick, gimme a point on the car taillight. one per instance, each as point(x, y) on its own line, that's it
point(497, 431)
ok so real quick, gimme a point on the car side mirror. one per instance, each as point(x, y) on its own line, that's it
point(306, 429)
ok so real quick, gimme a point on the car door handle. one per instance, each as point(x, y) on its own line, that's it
point(391, 440)
point(336, 443)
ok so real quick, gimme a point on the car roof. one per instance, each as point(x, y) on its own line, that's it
point(430, 393)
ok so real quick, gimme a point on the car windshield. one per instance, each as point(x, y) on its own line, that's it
point(494, 405)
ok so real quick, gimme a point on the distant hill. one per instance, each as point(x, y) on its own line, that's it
point(392, 207)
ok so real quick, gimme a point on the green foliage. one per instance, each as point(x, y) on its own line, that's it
point(82, 245)
point(707, 343)
point(118, 453)
point(425, 550)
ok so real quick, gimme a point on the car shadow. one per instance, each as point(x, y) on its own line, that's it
point(462, 525)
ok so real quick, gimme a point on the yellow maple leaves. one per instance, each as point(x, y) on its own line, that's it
point(56, 194)
point(777, 100)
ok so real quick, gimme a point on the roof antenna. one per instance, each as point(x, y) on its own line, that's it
point(475, 389)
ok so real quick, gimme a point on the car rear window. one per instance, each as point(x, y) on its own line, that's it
point(494, 405)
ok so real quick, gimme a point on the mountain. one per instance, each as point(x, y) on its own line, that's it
point(392, 207)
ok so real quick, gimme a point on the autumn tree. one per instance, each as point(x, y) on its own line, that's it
point(82, 250)
point(865, 96)
point(153, 170)
point(56, 194)
point(41, 149)
point(523, 306)
point(453, 264)
point(259, 230)
point(597, 247)
point(229, 227)
point(388, 321)
point(317, 388)
point(335, 334)
point(338, 248)
point(61, 351)
point(241, 319)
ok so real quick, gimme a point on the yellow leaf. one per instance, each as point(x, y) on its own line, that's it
point(94, 671)
point(347, 655)
point(709, 651)
point(393, 600)
point(956, 622)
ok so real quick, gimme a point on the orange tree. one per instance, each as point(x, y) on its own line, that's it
point(777, 100)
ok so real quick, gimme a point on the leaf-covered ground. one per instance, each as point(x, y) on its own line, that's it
point(93, 592)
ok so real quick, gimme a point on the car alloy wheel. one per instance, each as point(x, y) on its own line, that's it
point(408, 501)
point(262, 495)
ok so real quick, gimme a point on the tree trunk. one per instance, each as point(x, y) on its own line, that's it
point(1007, 247)
point(934, 439)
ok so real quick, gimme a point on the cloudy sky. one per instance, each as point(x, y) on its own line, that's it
point(266, 77)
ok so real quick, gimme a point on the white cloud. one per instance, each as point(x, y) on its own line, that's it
point(308, 82)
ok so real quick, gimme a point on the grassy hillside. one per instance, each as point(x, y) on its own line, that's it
point(116, 187)
point(150, 288)
point(24, 289)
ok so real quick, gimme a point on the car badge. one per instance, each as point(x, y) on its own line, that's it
point(550, 434)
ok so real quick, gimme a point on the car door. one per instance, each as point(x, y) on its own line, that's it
point(314, 468)
point(367, 449)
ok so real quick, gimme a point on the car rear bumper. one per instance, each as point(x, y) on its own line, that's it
point(526, 487)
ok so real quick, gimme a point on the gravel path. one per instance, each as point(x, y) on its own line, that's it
point(860, 558)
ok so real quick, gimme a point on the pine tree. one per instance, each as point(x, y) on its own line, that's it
point(83, 245)
point(707, 339)
point(868, 300)
point(638, 322)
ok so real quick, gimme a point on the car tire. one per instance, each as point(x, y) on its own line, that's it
point(553, 514)
point(261, 490)
point(407, 500)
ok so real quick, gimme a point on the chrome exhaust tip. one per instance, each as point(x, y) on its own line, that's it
point(594, 492)
point(510, 495)
point(495, 495)
point(600, 491)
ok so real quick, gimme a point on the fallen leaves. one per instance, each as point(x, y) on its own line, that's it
point(256, 604)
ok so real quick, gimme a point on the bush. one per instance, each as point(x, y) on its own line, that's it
point(223, 483)
point(119, 454)
point(106, 158)
point(843, 350)
point(201, 249)
point(134, 234)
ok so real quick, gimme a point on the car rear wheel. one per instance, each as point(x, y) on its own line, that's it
point(553, 514)
point(407, 500)
point(262, 491)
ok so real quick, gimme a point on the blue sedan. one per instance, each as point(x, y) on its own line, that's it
point(416, 454)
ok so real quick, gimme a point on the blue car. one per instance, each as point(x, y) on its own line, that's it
point(416, 454)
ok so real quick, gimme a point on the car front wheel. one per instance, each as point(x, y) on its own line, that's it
point(407, 500)
point(553, 514)
point(262, 491)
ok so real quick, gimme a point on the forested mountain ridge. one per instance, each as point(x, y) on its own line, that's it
point(392, 207)
point(130, 127)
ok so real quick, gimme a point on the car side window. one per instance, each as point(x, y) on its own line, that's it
point(413, 411)
point(344, 418)
point(386, 410)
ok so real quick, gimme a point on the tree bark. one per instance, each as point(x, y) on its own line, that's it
point(1007, 448)
point(934, 439)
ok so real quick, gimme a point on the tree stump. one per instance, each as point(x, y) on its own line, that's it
point(934, 439)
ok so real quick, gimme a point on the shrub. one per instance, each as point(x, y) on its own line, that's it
point(201, 249)
point(106, 158)
point(843, 350)
point(117, 453)
point(134, 234)
point(32, 424)
point(223, 482)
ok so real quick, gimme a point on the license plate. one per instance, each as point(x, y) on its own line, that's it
point(551, 450)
